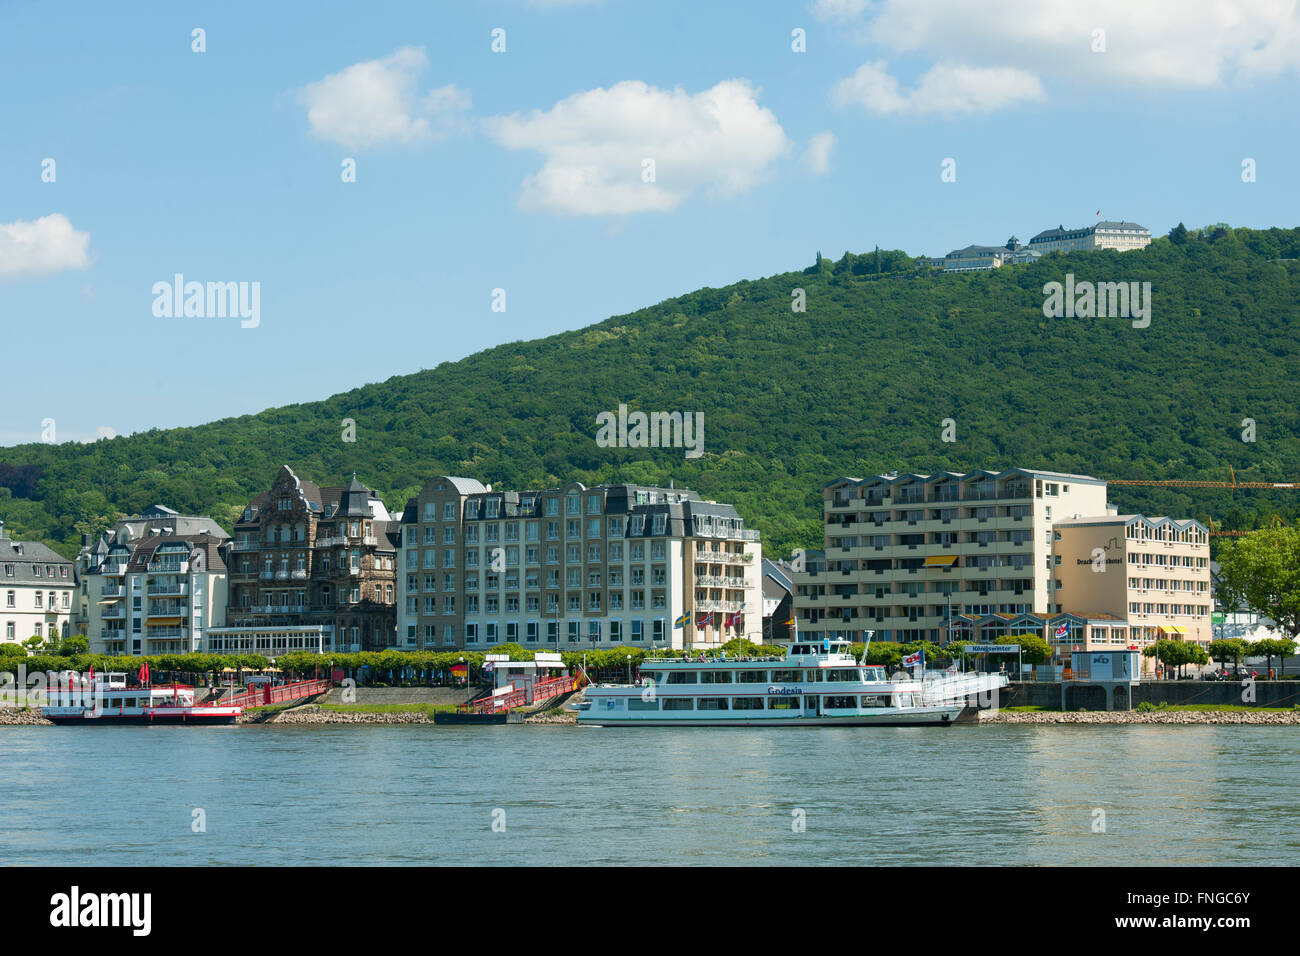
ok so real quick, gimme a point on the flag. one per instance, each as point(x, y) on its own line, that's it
point(144, 673)
point(1063, 631)
point(734, 620)
point(703, 619)
point(91, 678)
point(911, 660)
point(789, 623)
point(682, 621)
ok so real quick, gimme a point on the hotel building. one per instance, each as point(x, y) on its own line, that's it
point(1104, 235)
point(575, 567)
point(983, 554)
point(311, 568)
point(38, 585)
point(1156, 573)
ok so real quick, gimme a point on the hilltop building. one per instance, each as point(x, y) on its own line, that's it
point(312, 569)
point(572, 567)
point(1104, 235)
point(987, 554)
point(38, 585)
point(974, 258)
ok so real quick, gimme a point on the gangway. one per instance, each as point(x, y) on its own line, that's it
point(268, 694)
point(541, 691)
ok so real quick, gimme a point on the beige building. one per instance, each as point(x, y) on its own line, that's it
point(905, 553)
point(984, 555)
point(1121, 236)
point(573, 567)
point(1154, 572)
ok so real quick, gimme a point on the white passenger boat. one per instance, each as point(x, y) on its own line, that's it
point(815, 684)
point(107, 700)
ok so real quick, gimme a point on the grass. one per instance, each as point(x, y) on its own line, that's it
point(427, 709)
point(1217, 707)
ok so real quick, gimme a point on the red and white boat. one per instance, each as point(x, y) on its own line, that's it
point(107, 700)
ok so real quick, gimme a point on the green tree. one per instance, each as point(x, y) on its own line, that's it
point(1261, 570)
point(1225, 649)
point(1273, 647)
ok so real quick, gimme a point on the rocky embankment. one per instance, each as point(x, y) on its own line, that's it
point(19, 718)
point(315, 714)
point(1141, 717)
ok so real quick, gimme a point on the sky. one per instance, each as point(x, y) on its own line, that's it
point(398, 185)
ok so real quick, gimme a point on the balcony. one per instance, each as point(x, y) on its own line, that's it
point(168, 567)
point(109, 591)
point(114, 614)
point(168, 590)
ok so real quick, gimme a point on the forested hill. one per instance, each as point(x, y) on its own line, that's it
point(857, 384)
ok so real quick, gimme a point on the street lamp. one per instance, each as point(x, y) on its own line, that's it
point(629, 668)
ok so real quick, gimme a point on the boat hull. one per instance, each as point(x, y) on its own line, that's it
point(915, 717)
point(188, 719)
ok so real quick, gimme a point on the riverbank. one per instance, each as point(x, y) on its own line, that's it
point(1141, 717)
point(23, 718)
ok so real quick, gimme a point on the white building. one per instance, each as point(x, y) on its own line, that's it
point(154, 595)
point(574, 567)
point(38, 585)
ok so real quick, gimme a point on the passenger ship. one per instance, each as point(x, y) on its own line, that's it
point(815, 684)
point(107, 700)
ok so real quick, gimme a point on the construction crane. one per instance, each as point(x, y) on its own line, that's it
point(1233, 484)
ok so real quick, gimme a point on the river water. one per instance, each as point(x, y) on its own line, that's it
point(419, 794)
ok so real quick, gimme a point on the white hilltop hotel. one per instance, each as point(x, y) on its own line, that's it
point(1106, 234)
point(574, 567)
point(38, 585)
point(987, 554)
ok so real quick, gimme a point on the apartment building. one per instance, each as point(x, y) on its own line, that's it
point(575, 567)
point(311, 568)
point(160, 594)
point(1103, 235)
point(906, 554)
point(114, 625)
point(1154, 572)
point(984, 555)
point(38, 585)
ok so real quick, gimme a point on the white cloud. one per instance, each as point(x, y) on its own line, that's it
point(377, 102)
point(839, 10)
point(818, 155)
point(1159, 43)
point(946, 88)
point(596, 142)
point(49, 244)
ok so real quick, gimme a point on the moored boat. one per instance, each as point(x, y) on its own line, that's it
point(107, 700)
point(813, 685)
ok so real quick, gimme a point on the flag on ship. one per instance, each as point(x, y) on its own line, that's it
point(144, 673)
point(911, 660)
point(682, 621)
point(703, 619)
point(733, 620)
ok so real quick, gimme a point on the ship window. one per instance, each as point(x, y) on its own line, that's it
point(678, 703)
point(747, 703)
point(712, 703)
point(783, 703)
point(715, 677)
point(681, 677)
point(751, 677)
point(636, 703)
point(786, 677)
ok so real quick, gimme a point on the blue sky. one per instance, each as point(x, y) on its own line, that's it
point(522, 170)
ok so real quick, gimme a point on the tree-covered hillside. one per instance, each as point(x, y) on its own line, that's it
point(858, 383)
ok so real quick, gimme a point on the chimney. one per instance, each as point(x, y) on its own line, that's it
point(85, 541)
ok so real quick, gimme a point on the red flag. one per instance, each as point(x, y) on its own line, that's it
point(144, 673)
point(92, 673)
